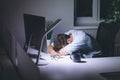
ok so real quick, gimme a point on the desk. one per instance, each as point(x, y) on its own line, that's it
point(65, 69)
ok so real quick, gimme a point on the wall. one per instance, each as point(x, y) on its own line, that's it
point(12, 14)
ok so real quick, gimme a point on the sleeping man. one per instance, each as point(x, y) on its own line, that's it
point(75, 43)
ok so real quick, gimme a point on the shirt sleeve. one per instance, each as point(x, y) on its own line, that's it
point(72, 47)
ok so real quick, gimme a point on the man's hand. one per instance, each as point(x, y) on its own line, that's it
point(54, 53)
point(62, 52)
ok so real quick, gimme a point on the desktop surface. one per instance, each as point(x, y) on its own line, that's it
point(64, 69)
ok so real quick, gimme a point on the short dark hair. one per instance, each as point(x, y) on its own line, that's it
point(60, 40)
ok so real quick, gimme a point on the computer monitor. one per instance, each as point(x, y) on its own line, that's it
point(35, 33)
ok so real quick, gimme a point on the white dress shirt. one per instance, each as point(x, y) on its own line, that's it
point(79, 38)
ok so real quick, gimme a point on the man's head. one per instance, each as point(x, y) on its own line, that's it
point(60, 41)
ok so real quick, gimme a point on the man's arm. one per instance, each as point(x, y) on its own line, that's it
point(62, 52)
point(52, 51)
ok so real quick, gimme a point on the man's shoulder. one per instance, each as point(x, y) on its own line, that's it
point(75, 30)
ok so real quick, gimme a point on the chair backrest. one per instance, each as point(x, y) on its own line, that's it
point(26, 67)
point(117, 44)
point(8, 40)
point(106, 35)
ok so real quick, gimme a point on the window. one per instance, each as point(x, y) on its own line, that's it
point(86, 12)
point(83, 10)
